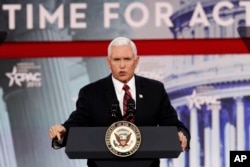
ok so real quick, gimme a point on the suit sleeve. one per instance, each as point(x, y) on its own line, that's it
point(169, 117)
point(79, 117)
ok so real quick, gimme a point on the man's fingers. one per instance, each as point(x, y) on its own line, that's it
point(56, 131)
point(51, 133)
point(183, 140)
point(58, 135)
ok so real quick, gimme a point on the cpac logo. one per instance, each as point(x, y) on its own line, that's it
point(19, 78)
point(196, 101)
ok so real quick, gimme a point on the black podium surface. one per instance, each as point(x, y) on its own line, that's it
point(89, 143)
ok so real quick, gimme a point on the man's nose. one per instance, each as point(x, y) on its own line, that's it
point(122, 63)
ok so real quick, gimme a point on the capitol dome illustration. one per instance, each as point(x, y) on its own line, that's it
point(211, 92)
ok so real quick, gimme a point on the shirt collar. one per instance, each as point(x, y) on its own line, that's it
point(118, 84)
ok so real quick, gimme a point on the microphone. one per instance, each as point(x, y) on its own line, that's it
point(114, 109)
point(131, 108)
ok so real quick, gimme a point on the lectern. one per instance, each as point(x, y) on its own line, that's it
point(89, 143)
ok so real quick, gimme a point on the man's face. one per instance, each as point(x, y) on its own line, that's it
point(122, 63)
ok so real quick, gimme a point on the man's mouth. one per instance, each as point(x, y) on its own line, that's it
point(122, 73)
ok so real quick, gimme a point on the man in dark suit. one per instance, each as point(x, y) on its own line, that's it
point(153, 106)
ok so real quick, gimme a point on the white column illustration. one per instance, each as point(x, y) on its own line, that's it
point(229, 142)
point(194, 105)
point(207, 145)
point(240, 123)
point(35, 110)
point(179, 162)
point(215, 109)
point(7, 154)
point(194, 143)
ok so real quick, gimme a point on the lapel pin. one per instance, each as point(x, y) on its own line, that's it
point(140, 96)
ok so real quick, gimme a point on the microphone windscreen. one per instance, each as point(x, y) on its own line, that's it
point(131, 102)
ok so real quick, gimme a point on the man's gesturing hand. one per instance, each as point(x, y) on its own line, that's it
point(57, 131)
point(183, 140)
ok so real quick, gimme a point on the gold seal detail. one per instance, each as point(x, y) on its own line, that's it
point(123, 138)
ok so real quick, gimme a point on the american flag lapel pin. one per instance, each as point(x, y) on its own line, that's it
point(140, 96)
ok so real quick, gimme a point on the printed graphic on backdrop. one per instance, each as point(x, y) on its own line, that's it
point(210, 92)
point(75, 20)
point(244, 33)
point(3, 35)
point(24, 74)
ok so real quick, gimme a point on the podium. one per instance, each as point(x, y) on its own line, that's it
point(156, 142)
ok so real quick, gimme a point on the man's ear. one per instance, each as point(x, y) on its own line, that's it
point(108, 62)
point(137, 60)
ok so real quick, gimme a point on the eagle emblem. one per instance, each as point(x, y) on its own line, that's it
point(123, 139)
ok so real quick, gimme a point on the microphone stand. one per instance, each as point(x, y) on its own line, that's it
point(114, 109)
point(131, 110)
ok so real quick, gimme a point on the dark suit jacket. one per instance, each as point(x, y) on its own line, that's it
point(93, 107)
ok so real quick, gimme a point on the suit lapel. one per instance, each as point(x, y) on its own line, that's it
point(139, 95)
point(110, 93)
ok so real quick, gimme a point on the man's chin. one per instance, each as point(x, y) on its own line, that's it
point(123, 79)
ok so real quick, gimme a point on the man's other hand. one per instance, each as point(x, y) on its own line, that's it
point(56, 132)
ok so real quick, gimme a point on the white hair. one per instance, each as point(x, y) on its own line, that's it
point(121, 41)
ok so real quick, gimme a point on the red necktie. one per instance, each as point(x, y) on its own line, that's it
point(127, 97)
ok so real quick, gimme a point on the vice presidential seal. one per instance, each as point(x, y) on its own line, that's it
point(123, 138)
